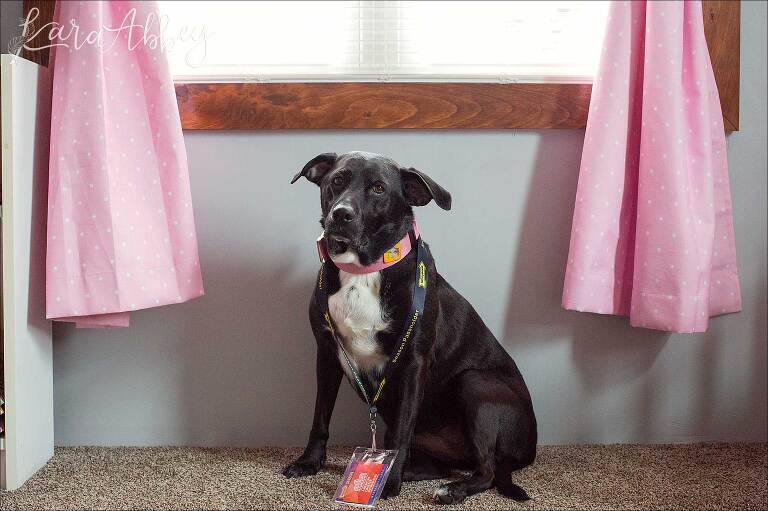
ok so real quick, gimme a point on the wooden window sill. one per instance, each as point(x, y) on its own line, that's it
point(381, 105)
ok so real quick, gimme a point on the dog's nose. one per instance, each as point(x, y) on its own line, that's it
point(343, 214)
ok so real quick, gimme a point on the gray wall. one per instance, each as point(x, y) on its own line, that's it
point(236, 367)
point(10, 12)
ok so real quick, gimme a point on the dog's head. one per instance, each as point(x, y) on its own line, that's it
point(366, 202)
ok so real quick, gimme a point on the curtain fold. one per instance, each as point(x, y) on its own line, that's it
point(652, 234)
point(121, 233)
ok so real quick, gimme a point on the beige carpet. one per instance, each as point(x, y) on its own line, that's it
point(699, 476)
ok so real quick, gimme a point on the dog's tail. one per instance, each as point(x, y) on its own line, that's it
point(505, 485)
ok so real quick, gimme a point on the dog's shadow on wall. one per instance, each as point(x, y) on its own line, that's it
point(605, 351)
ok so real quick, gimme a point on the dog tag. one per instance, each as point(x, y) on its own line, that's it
point(365, 477)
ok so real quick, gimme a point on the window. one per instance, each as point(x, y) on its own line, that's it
point(293, 42)
point(444, 41)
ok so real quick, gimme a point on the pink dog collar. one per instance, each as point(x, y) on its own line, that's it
point(391, 257)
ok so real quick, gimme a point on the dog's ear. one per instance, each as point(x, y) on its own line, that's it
point(316, 168)
point(419, 189)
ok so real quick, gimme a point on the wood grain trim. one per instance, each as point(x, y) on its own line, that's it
point(381, 105)
point(722, 27)
point(46, 16)
point(423, 105)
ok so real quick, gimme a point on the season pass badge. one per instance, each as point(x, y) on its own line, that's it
point(365, 477)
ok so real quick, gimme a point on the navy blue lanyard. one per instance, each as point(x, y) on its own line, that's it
point(410, 327)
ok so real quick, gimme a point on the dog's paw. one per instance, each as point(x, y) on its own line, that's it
point(448, 494)
point(302, 468)
point(392, 488)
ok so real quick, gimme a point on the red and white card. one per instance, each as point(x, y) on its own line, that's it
point(365, 477)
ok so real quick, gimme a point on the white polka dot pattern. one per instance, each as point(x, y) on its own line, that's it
point(652, 233)
point(121, 234)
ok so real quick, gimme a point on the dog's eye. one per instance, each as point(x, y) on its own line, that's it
point(337, 181)
point(378, 188)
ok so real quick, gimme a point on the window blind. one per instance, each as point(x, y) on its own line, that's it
point(486, 41)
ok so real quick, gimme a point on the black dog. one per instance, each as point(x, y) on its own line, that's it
point(456, 400)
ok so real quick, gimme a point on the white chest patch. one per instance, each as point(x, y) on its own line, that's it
point(358, 316)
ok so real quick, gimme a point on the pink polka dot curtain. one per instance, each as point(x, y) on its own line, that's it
point(121, 234)
point(652, 233)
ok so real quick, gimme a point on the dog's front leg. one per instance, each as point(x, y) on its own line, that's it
point(329, 376)
point(406, 410)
